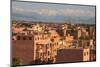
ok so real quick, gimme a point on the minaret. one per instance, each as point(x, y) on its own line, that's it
point(65, 27)
point(65, 30)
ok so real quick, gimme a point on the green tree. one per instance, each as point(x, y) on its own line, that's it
point(16, 61)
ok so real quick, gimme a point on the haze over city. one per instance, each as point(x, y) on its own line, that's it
point(46, 12)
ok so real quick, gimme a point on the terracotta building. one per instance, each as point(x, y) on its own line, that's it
point(75, 55)
point(22, 48)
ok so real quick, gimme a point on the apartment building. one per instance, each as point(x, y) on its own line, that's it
point(22, 48)
point(52, 42)
point(75, 55)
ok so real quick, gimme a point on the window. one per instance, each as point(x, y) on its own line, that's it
point(35, 38)
point(30, 38)
point(48, 53)
point(18, 37)
point(87, 53)
point(24, 38)
point(38, 38)
point(45, 37)
point(84, 53)
point(49, 59)
point(50, 45)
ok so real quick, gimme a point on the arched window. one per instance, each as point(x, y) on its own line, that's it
point(84, 53)
point(30, 38)
point(24, 38)
point(18, 37)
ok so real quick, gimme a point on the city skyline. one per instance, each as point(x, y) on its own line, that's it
point(49, 33)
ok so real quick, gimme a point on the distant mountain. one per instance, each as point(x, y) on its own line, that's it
point(58, 18)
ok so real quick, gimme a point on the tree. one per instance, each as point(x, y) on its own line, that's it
point(16, 61)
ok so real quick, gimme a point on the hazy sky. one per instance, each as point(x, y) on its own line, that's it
point(32, 11)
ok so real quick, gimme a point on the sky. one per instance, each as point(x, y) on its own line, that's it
point(50, 12)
